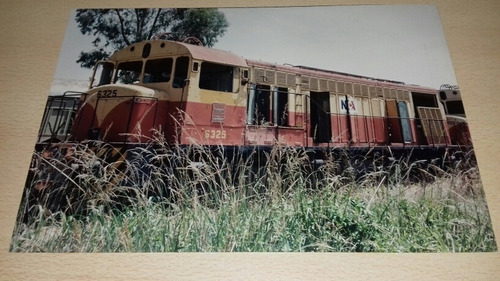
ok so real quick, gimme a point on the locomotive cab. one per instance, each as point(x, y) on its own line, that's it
point(164, 86)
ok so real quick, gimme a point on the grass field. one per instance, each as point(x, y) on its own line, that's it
point(227, 205)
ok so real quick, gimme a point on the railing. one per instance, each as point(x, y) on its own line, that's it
point(58, 116)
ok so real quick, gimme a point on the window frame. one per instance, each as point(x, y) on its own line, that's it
point(158, 60)
point(209, 70)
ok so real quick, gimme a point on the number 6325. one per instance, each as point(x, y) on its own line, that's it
point(215, 134)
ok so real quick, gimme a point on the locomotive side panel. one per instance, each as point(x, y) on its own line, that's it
point(276, 107)
point(214, 105)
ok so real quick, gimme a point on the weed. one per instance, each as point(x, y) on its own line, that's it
point(158, 198)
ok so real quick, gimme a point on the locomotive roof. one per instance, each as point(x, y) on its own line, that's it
point(161, 48)
point(335, 75)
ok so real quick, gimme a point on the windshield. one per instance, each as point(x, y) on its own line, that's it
point(128, 72)
point(155, 71)
point(103, 73)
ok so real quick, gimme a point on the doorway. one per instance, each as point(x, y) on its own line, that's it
point(321, 129)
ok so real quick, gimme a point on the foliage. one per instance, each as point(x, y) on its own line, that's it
point(113, 29)
point(193, 199)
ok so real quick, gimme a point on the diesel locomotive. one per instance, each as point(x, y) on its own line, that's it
point(184, 95)
point(198, 95)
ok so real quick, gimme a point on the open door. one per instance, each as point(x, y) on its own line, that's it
point(405, 122)
point(398, 122)
point(321, 129)
point(433, 125)
point(394, 126)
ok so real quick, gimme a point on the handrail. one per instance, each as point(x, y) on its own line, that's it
point(59, 123)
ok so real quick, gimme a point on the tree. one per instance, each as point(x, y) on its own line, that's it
point(114, 29)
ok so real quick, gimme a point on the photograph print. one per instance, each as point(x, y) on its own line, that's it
point(297, 129)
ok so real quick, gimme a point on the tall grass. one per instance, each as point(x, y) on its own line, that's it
point(172, 199)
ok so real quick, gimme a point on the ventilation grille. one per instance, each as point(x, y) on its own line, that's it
point(432, 124)
point(259, 74)
point(323, 85)
point(218, 112)
point(304, 82)
point(357, 90)
point(281, 79)
point(313, 84)
point(348, 88)
point(332, 86)
point(364, 91)
point(387, 93)
point(265, 76)
point(406, 95)
point(271, 76)
point(290, 80)
point(341, 87)
point(393, 95)
point(373, 92)
point(400, 95)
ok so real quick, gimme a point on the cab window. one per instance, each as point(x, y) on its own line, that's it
point(181, 72)
point(128, 72)
point(216, 77)
point(158, 71)
point(103, 74)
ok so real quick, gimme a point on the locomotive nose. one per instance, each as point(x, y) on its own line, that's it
point(116, 113)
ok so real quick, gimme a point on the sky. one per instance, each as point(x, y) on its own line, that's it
point(398, 42)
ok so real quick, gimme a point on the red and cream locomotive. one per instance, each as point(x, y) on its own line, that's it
point(163, 94)
point(198, 95)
